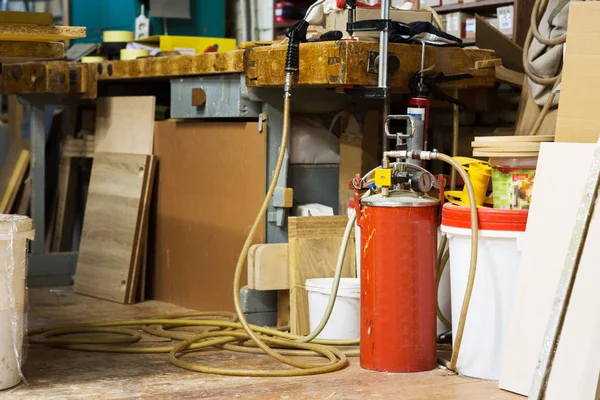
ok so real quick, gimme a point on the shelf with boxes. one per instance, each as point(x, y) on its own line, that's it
point(459, 16)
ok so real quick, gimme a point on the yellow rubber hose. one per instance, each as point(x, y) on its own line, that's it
point(474, 250)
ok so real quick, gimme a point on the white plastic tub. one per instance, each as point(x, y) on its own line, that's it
point(345, 317)
point(14, 233)
point(490, 309)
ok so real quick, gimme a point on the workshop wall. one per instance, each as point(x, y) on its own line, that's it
point(208, 18)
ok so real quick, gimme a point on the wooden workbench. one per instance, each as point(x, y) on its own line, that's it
point(324, 64)
point(256, 76)
point(54, 373)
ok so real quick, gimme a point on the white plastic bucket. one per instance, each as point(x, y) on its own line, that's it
point(443, 297)
point(345, 317)
point(492, 299)
point(14, 233)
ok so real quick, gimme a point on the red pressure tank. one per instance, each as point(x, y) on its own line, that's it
point(398, 282)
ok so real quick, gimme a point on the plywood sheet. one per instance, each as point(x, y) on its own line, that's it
point(578, 116)
point(547, 239)
point(125, 125)
point(18, 17)
point(576, 370)
point(268, 267)
point(37, 33)
point(211, 181)
point(15, 52)
point(110, 225)
point(138, 272)
point(314, 245)
point(488, 37)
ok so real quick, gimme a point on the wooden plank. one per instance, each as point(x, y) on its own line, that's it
point(66, 191)
point(25, 200)
point(314, 244)
point(38, 33)
point(125, 125)
point(549, 230)
point(18, 17)
point(141, 292)
point(141, 235)
point(268, 267)
point(109, 227)
point(491, 63)
point(199, 232)
point(575, 372)
point(344, 63)
point(501, 140)
point(488, 37)
point(283, 308)
point(506, 147)
point(12, 175)
point(18, 52)
point(509, 76)
point(153, 67)
point(483, 153)
point(58, 78)
point(15, 119)
point(521, 20)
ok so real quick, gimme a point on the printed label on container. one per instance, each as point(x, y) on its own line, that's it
point(505, 18)
point(470, 25)
point(512, 188)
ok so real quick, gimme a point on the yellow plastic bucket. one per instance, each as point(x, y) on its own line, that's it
point(480, 174)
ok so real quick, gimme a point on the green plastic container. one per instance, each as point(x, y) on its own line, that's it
point(512, 182)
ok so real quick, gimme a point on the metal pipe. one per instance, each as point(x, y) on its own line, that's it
point(244, 20)
point(383, 46)
point(383, 68)
point(253, 20)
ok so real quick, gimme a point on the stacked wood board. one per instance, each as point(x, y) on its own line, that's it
point(26, 36)
point(111, 262)
point(508, 146)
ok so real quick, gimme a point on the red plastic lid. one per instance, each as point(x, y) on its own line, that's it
point(490, 219)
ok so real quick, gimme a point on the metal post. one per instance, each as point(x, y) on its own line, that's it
point(455, 137)
point(383, 67)
point(38, 177)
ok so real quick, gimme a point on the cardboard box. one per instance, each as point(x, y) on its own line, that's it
point(432, 3)
point(336, 21)
point(470, 28)
point(493, 22)
point(188, 44)
point(578, 116)
point(505, 19)
point(456, 24)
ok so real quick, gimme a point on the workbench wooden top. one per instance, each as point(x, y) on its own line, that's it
point(322, 64)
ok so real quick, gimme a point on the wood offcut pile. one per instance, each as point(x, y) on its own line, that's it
point(28, 36)
point(509, 146)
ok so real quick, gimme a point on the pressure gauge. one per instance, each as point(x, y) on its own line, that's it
point(421, 182)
